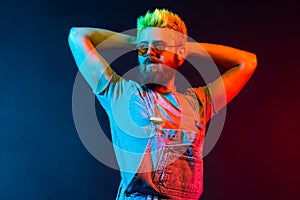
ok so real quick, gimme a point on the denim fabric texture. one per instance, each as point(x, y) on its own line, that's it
point(169, 165)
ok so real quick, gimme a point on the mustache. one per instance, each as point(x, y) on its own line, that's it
point(150, 60)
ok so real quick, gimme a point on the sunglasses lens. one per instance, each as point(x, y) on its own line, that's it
point(142, 51)
point(158, 48)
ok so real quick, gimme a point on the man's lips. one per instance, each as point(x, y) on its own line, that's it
point(152, 60)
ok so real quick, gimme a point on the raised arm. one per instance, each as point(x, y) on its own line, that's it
point(240, 64)
point(91, 64)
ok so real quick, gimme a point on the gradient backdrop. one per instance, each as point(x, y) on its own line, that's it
point(41, 155)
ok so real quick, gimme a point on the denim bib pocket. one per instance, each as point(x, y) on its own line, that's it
point(179, 170)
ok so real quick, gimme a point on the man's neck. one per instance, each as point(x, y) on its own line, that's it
point(162, 89)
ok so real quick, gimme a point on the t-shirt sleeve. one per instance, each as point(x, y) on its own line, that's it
point(104, 79)
point(117, 87)
point(205, 100)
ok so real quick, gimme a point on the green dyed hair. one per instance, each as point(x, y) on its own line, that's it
point(164, 19)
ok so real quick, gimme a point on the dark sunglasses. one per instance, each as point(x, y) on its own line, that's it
point(159, 48)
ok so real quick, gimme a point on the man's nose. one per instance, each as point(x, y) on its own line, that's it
point(151, 51)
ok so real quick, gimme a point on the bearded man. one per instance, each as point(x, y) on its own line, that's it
point(157, 132)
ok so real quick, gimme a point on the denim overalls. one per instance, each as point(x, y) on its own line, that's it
point(172, 166)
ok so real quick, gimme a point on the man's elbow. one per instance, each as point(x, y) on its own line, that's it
point(251, 63)
point(77, 33)
point(73, 34)
point(253, 60)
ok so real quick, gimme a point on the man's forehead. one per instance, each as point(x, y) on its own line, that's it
point(150, 34)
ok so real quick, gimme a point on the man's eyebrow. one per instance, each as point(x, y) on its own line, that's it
point(155, 41)
point(143, 42)
point(159, 42)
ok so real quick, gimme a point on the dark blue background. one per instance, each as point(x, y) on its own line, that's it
point(41, 155)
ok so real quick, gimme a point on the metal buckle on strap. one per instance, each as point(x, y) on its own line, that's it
point(156, 120)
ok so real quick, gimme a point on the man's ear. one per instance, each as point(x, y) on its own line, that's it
point(181, 54)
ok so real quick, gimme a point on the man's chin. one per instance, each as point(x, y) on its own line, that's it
point(155, 73)
point(154, 67)
point(150, 79)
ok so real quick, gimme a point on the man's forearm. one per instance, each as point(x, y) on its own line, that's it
point(85, 43)
point(225, 56)
point(104, 39)
point(240, 64)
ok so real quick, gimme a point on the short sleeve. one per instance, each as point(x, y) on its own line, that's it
point(117, 88)
point(205, 100)
point(108, 75)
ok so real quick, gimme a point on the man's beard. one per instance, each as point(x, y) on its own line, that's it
point(155, 73)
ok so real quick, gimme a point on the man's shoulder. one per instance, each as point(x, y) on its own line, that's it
point(122, 89)
point(197, 92)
